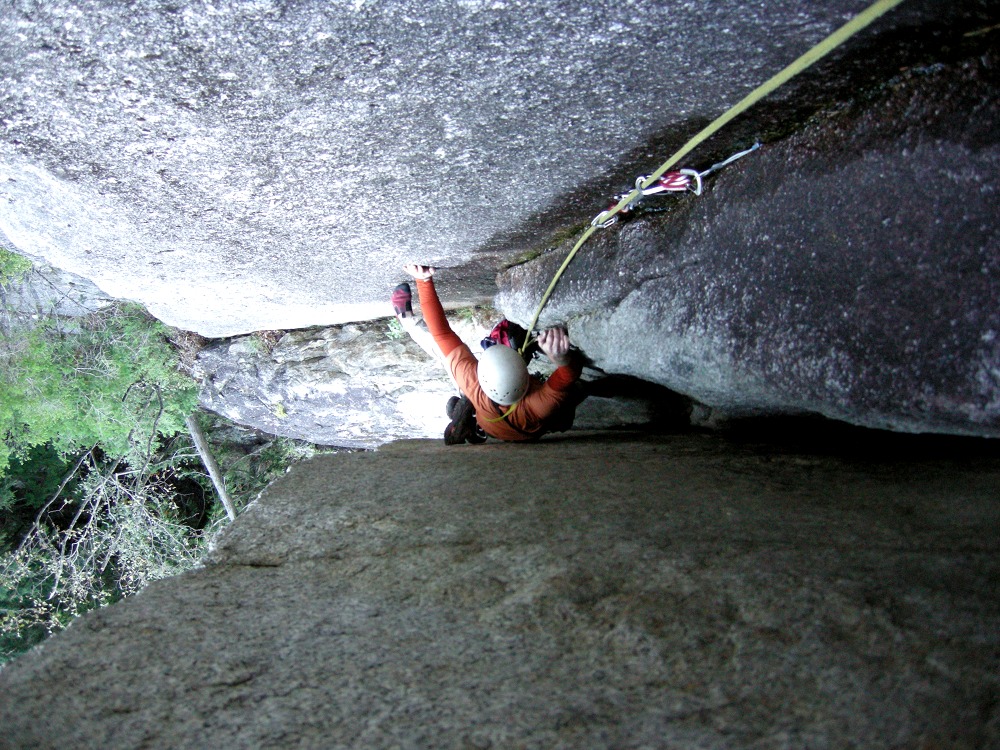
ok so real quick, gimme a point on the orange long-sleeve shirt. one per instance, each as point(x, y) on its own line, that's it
point(534, 414)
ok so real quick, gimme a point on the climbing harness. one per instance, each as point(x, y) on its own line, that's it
point(674, 179)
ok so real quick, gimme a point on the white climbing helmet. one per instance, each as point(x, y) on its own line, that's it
point(503, 375)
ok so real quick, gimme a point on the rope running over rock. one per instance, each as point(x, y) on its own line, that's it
point(820, 50)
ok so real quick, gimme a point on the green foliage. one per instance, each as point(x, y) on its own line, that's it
point(525, 257)
point(28, 485)
point(113, 530)
point(120, 530)
point(112, 383)
point(246, 476)
point(394, 329)
point(95, 450)
point(254, 344)
point(14, 600)
point(466, 314)
point(84, 407)
point(13, 267)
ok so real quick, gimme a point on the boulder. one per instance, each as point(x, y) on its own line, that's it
point(851, 270)
point(592, 592)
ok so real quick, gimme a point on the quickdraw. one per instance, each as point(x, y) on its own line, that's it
point(677, 181)
point(820, 50)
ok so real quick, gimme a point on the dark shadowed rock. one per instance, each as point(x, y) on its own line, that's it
point(852, 270)
point(578, 593)
point(269, 165)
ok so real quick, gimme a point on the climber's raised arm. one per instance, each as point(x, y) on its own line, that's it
point(433, 312)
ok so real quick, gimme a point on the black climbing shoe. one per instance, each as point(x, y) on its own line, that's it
point(463, 425)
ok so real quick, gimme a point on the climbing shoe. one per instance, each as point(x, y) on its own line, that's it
point(402, 300)
point(463, 427)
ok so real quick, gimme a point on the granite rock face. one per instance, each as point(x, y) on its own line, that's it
point(852, 270)
point(269, 165)
point(365, 384)
point(349, 386)
point(46, 290)
point(587, 592)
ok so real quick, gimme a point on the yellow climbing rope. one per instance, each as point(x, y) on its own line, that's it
point(845, 32)
point(511, 410)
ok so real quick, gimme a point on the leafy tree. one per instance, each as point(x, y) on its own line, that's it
point(115, 529)
point(95, 416)
point(13, 267)
point(118, 531)
point(27, 486)
point(111, 382)
point(86, 501)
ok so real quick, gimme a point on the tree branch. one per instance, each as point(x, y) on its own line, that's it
point(205, 451)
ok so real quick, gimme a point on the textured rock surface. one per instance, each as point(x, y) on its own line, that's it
point(358, 385)
point(362, 385)
point(700, 594)
point(853, 270)
point(49, 290)
point(269, 165)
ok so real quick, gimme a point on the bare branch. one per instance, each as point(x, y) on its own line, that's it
point(205, 451)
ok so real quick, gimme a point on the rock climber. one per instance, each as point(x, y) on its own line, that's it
point(510, 404)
